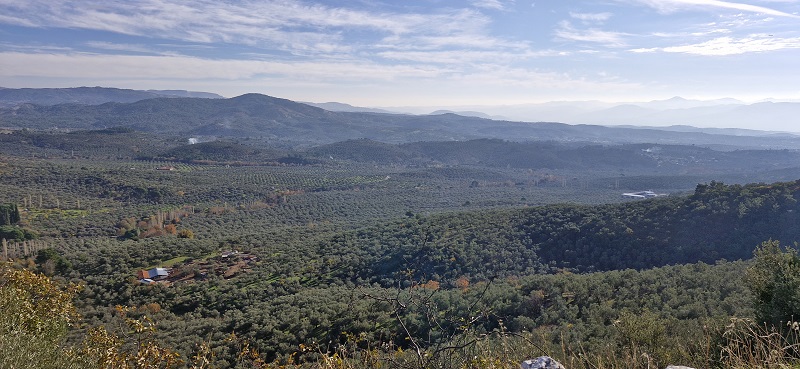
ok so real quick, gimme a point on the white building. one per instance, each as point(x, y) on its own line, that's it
point(642, 195)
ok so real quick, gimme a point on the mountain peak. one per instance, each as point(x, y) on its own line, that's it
point(251, 95)
point(261, 98)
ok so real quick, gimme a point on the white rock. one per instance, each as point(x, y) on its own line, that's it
point(542, 362)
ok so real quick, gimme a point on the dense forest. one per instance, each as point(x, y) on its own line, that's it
point(364, 254)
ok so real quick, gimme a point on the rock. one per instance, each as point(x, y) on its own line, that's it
point(678, 367)
point(541, 362)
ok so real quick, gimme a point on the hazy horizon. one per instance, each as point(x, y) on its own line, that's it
point(422, 52)
point(771, 115)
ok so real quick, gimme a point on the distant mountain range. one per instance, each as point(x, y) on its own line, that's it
point(469, 114)
point(341, 107)
point(255, 115)
point(730, 113)
point(88, 95)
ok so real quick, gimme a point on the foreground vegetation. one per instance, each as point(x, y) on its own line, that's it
point(38, 313)
point(298, 258)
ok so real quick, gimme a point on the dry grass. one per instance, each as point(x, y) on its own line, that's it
point(738, 345)
point(754, 346)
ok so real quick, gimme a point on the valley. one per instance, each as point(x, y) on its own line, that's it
point(306, 235)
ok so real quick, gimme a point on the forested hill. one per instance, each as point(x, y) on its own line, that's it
point(255, 115)
point(555, 155)
point(87, 95)
point(717, 222)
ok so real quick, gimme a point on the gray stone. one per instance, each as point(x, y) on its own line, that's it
point(541, 362)
point(678, 367)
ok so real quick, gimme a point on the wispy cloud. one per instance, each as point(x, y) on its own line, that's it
point(669, 6)
point(35, 48)
point(426, 48)
point(723, 46)
point(423, 81)
point(643, 50)
point(462, 57)
point(94, 66)
point(458, 41)
point(18, 21)
point(285, 25)
point(732, 46)
point(591, 17)
point(291, 39)
point(567, 32)
point(491, 4)
point(134, 48)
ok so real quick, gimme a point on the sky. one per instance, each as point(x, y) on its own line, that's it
point(410, 52)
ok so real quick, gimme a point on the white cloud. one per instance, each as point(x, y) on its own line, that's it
point(591, 17)
point(147, 71)
point(668, 34)
point(723, 46)
point(35, 48)
point(644, 50)
point(98, 66)
point(285, 25)
point(565, 31)
point(711, 31)
point(466, 57)
point(490, 4)
point(669, 6)
point(17, 21)
point(438, 43)
point(136, 48)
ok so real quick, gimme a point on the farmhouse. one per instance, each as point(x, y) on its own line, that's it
point(155, 274)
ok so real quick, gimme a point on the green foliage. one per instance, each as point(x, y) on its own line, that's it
point(14, 233)
point(717, 222)
point(645, 334)
point(34, 315)
point(9, 214)
point(774, 279)
point(234, 153)
point(186, 233)
point(440, 253)
point(52, 262)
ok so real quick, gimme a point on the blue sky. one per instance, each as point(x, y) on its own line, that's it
point(410, 52)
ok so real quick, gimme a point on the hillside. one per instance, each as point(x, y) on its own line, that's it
point(514, 266)
point(87, 95)
point(103, 144)
point(261, 116)
point(630, 158)
point(330, 251)
point(701, 164)
point(629, 166)
point(223, 152)
point(716, 222)
point(276, 224)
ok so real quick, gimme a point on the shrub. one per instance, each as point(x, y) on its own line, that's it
point(774, 279)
